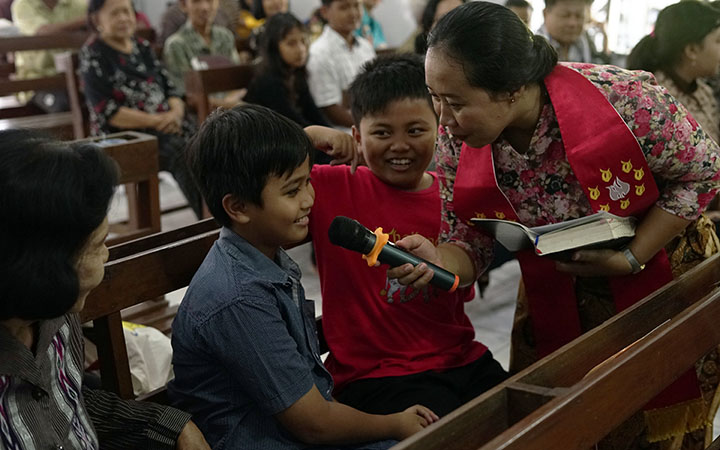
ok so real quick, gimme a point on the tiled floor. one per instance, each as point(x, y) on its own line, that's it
point(491, 314)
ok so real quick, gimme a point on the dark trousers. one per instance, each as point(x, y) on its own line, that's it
point(442, 392)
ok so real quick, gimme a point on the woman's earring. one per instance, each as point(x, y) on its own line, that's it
point(512, 99)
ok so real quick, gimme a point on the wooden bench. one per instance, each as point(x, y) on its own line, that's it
point(201, 84)
point(562, 403)
point(137, 159)
point(138, 271)
point(17, 115)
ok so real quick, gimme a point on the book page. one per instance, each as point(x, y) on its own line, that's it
point(512, 235)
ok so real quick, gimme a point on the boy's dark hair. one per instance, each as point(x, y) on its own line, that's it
point(517, 4)
point(327, 2)
point(386, 79)
point(53, 196)
point(236, 150)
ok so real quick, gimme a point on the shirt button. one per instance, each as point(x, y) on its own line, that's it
point(59, 447)
point(37, 394)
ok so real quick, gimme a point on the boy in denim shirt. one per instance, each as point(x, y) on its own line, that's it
point(246, 355)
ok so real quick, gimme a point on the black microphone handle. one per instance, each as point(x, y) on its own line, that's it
point(395, 256)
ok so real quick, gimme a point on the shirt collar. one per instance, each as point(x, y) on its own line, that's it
point(336, 39)
point(280, 271)
point(24, 364)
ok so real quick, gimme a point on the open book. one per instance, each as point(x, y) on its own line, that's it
point(599, 230)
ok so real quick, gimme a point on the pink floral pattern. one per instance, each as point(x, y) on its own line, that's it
point(543, 189)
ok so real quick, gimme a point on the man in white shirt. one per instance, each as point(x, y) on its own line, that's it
point(336, 58)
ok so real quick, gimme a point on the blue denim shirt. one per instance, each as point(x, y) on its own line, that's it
point(245, 347)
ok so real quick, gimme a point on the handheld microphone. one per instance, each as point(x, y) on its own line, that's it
point(352, 235)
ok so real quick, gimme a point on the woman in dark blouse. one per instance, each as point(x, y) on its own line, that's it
point(281, 81)
point(126, 88)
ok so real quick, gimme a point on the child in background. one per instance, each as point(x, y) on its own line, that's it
point(281, 81)
point(336, 57)
point(198, 38)
point(245, 346)
point(370, 28)
point(392, 346)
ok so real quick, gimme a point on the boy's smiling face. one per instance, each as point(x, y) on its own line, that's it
point(398, 143)
point(283, 218)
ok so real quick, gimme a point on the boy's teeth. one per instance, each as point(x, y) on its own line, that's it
point(400, 161)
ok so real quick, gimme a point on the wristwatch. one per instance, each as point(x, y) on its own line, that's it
point(634, 263)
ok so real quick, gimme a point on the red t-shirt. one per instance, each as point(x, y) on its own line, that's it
point(376, 327)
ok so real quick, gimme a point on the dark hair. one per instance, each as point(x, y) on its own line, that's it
point(275, 30)
point(327, 2)
point(517, 4)
point(53, 196)
point(426, 22)
point(236, 150)
point(257, 9)
point(495, 48)
point(96, 5)
point(386, 79)
point(551, 3)
point(676, 27)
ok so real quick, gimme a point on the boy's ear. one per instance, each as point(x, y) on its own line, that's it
point(357, 137)
point(183, 6)
point(236, 209)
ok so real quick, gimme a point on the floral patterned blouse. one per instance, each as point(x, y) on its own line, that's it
point(111, 79)
point(541, 186)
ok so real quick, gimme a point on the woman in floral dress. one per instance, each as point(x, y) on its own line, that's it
point(126, 88)
point(524, 138)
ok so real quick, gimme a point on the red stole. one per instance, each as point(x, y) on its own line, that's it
point(610, 165)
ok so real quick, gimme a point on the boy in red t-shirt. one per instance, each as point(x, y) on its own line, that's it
point(391, 346)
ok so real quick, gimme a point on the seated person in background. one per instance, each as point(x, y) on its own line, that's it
point(43, 17)
point(434, 11)
point(197, 39)
point(392, 346)
point(522, 8)
point(281, 81)
point(126, 88)
point(564, 28)
point(336, 57)
point(246, 358)
point(174, 17)
point(416, 8)
point(370, 28)
point(682, 51)
point(264, 10)
point(45, 279)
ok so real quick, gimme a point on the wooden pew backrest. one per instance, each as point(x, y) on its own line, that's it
point(574, 397)
point(133, 279)
point(200, 84)
point(137, 159)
